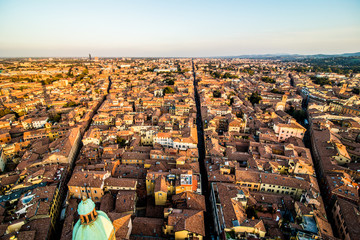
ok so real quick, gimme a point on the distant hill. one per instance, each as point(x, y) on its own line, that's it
point(285, 56)
point(342, 63)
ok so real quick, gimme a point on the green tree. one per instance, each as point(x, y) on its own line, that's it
point(228, 75)
point(275, 90)
point(321, 80)
point(169, 81)
point(299, 115)
point(268, 79)
point(55, 118)
point(217, 93)
point(70, 74)
point(58, 76)
point(70, 104)
point(5, 111)
point(240, 114)
point(356, 91)
point(168, 90)
point(231, 101)
point(255, 98)
point(23, 87)
point(248, 70)
point(121, 141)
point(215, 74)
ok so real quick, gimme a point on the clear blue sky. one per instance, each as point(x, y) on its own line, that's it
point(177, 27)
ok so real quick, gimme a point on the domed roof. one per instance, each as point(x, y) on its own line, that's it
point(86, 207)
point(92, 224)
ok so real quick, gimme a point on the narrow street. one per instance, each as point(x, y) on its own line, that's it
point(322, 186)
point(209, 229)
point(292, 82)
point(63, 196)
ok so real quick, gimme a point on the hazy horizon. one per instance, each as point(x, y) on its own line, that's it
point(229, 56)
point(177, 28)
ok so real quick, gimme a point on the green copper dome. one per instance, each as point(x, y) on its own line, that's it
point(94, 225)
point(86, 207)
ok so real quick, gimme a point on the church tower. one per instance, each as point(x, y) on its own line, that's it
point(343, 88)
point(92, 224)
point(281, 105)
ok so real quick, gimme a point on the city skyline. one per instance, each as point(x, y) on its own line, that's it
point(185, 120)
point(177, 29)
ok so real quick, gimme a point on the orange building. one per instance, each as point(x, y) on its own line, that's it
point(87, 185)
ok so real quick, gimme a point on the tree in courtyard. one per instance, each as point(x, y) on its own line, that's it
point(255, 98)
point(168, 90)
point(216, 93)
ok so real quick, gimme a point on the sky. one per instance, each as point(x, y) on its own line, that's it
point(177, 28)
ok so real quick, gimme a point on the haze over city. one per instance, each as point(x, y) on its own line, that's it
point(177, 28)
point(182, 120)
